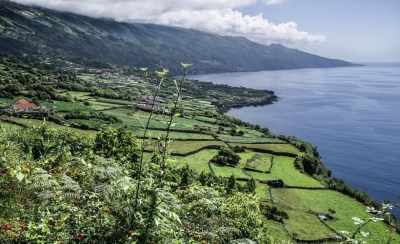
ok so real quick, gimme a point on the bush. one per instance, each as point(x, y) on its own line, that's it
point(226, 157)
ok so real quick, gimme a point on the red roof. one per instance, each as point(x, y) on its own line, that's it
point(23, 104)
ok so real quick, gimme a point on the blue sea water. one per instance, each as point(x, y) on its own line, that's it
point(351, 114)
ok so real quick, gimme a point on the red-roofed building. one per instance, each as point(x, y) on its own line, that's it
point(23, 105)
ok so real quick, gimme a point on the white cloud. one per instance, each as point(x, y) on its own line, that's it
point(273, 2)
point(215, 16)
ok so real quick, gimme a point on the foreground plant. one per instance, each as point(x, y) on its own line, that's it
point(378, 215)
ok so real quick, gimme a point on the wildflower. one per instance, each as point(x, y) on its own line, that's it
point(376, 219)
point(370, 210)
point(186, 65)
point(3, 171)
point(162, 73)
point(21, 225)
point(8, 227)
point(58, 171)
point(387, 206)
point(344, 232)
point(364, 234)
point(357, 221)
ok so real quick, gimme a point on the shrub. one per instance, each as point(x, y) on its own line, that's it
point(226, 157)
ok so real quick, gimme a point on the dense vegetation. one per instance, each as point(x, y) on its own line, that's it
point(49, 33)
point(61, 187)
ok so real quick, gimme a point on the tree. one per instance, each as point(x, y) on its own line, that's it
point(231, 184)
point(118, 144)
point(251, 186)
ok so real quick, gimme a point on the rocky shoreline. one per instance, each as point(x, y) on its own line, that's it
point(266, 101)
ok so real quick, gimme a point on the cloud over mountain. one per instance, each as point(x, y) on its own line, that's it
point(215, 16)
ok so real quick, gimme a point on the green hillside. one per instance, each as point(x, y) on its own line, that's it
point(45, 32)
point(87, 163)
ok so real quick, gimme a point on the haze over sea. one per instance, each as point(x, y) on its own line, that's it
point(351, 114)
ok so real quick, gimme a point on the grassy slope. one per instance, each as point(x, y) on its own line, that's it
point(345, 207)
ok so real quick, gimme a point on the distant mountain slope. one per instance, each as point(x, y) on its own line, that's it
point(35, 30)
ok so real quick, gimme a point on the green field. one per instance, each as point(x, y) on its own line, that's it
point(77, 94)
point(198, 161)
point(277, 148)
point(66, 106)
point(305, 226)
point(248, 140)
point(283, 168)
point(278, 232)
point(226, 171)
point(34, 122)
point(185, 147)
point(114, 101)
point(262, 191)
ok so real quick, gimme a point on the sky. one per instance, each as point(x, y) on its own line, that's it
point(353, 30)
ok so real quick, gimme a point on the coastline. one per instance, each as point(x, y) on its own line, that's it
point(331, 183)
point(266, 101)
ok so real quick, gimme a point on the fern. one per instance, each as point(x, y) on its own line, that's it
point(43, 185)
point(70, 188)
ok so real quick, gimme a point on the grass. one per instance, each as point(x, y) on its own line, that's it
point(34, 122)
point(135, 118)
point(260, 162)
point(66, 106)
point(198, 161)
point(7, 101)
point(306, 226)
point(102, 105)
point(255, 160)
point(172, 135)
point(278, 148)
point(248, 140)
point(159, 121)
point(10, 126)
point(244, 156)
point(185, 147)
point(206, 119)
point(345, 207)
point(92, 123)
point(262, 191)
point(283, 168)
point(78, 94)
point(251, 133)
point(116, 102)
point(277, 231)
point(225, 171)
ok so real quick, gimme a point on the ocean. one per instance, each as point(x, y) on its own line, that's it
point(351, 114)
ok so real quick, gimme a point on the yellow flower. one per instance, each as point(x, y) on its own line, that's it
point(186, 65)
point(162, 73)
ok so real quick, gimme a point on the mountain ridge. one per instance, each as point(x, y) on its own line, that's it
point(45, 32)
